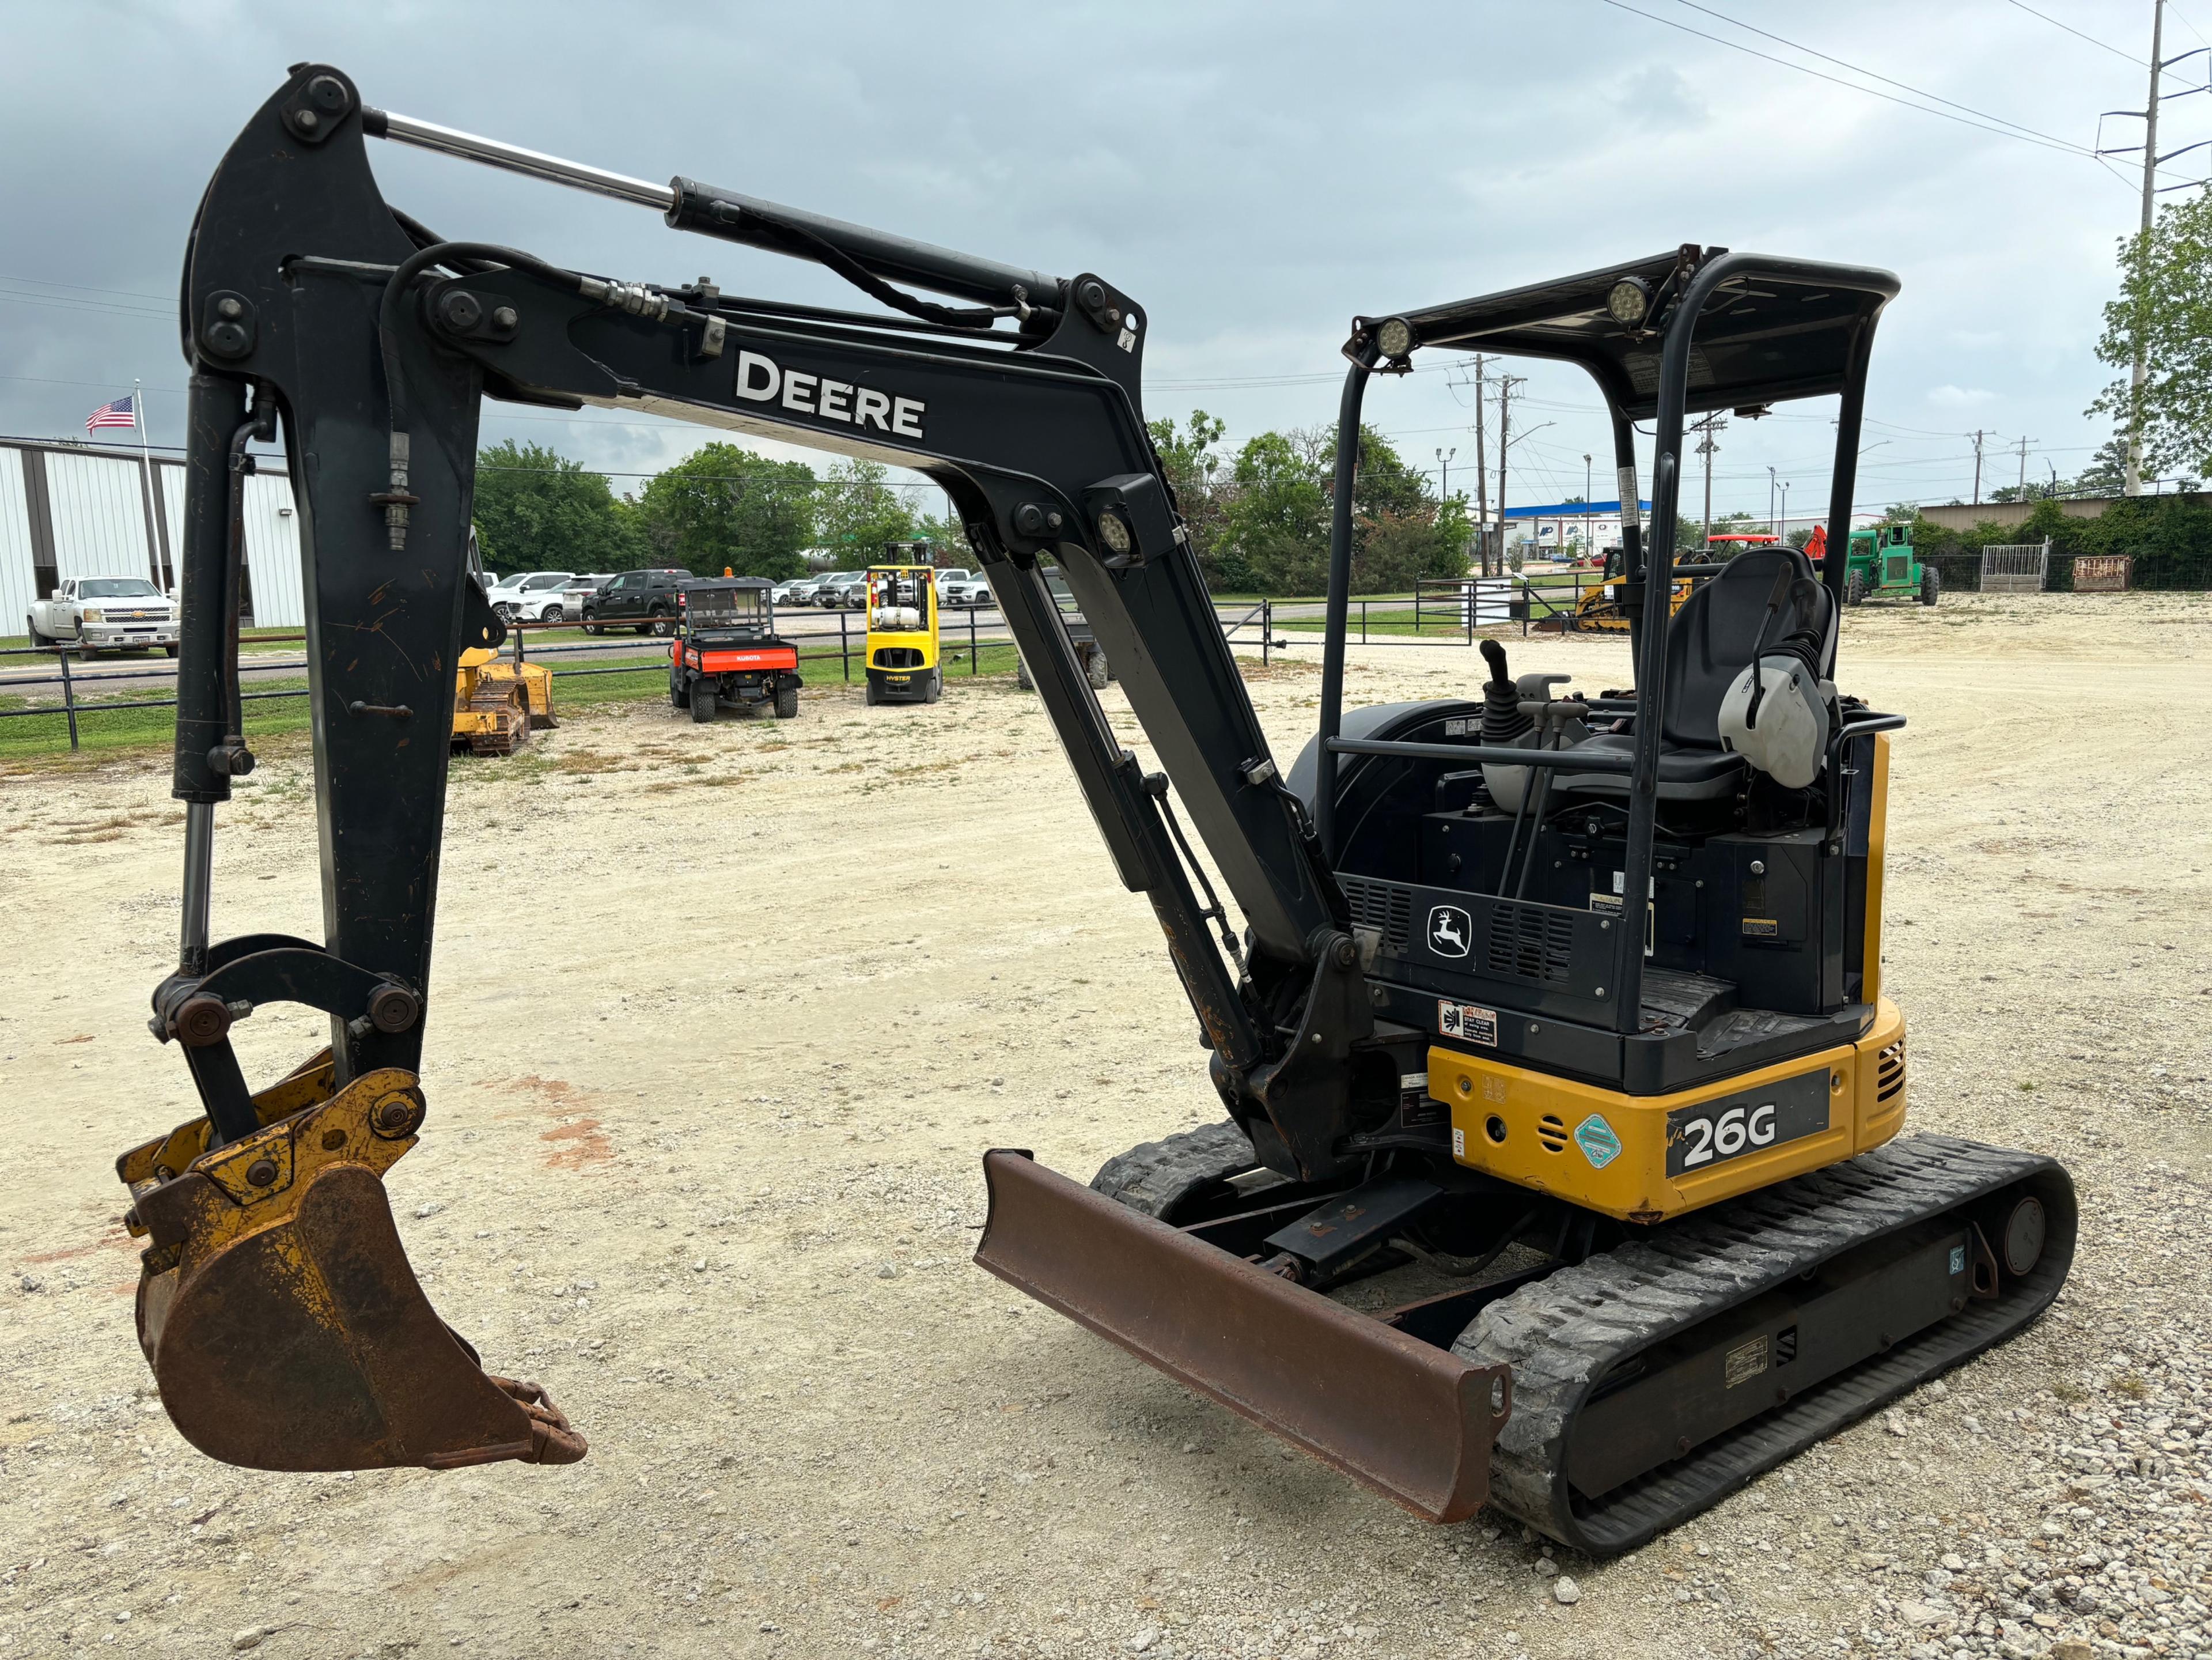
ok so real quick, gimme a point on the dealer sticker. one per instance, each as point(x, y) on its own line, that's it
point(1597, 1140)
point(1467, 1023)
point(1744, 1362)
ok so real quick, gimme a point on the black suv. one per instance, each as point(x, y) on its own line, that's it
point(645, 599)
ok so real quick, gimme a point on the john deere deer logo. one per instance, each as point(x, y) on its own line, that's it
point(1449, 930)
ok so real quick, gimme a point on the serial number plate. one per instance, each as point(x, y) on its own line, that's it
point(1750, 1120)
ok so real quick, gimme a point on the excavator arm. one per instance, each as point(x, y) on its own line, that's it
point(276, 1308)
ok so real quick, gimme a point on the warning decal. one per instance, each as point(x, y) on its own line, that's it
point(1467, 1023)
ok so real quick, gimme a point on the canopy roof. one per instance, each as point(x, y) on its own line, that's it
point(1782, 329)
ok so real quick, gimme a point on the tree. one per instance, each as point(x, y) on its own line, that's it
point(2164, 313)
point(858, 512)
point(537, 510)
point(1276, 524)
point(948, 535)
point(722, 506)
point(1193, 461)
point(2107, 474)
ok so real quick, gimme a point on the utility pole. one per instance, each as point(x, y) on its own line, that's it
point(1712, 424)
point(2134, 483)
point(1481, 476)
point(1505, 385)
point(1978, 468)
point(2024, 443)
point(1586, 506)
point(1770, 503)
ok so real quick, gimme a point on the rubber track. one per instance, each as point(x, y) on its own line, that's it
point(1155, 1176)
point(1566, 1332)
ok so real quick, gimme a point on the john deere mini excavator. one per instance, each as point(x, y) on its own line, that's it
point(1572, 1003)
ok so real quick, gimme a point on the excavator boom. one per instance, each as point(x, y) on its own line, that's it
point(313, 306)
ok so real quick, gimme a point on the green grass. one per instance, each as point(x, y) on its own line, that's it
point(103, 730)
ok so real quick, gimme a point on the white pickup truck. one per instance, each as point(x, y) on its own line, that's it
point(105, 613)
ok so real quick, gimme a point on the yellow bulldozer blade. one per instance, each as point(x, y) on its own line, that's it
point(498, 703)
point(285, 1329)
point(1412, 1421)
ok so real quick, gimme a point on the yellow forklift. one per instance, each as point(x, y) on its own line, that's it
point(902, 658)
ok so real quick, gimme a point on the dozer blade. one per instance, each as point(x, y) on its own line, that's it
point(1412, 1421)
point(285, 1329)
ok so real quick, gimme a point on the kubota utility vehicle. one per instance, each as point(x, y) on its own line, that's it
point(727, 651)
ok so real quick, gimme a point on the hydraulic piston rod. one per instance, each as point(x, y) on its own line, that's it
point(690, 205)
point(451, 141)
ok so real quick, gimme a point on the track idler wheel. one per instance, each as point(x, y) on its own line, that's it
point(284, 1326)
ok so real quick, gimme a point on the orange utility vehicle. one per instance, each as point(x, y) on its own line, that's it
point(726, 649)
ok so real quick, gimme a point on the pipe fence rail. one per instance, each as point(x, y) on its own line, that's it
point(74, 705)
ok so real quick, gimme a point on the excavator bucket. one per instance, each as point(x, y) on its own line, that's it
point(285, 1329)
point(1412, 1421)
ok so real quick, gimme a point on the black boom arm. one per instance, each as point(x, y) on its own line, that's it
point(308, 296)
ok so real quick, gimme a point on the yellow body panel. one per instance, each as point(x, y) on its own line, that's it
point(1877, 837)
point(923, 639)
point(1540, 1115)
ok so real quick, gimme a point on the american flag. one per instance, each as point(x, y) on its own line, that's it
point(123, 412)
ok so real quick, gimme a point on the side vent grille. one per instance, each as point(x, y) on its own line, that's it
point(1551, 1132)
point(1889, 1071)
point(1530, 942)
point(1383, 906)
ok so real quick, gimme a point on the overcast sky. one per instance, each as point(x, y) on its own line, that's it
point(1253, 173)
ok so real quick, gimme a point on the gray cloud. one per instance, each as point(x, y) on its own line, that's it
point(1254, 173)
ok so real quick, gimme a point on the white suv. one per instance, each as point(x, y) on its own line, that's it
point(963, 588)
point(527, 595)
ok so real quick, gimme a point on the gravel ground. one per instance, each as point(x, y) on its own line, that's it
point(714, 1053)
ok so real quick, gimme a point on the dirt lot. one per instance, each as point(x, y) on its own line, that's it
point(724, 1018)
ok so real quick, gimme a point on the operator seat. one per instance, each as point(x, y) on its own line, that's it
point(1709, 643)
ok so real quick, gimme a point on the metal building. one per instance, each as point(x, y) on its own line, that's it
point(70, 510)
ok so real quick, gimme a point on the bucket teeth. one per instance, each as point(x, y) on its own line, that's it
point(275, 1306)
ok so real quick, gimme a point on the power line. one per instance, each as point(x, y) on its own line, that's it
point(2077, 33)
point(1737, 46)
point(126, 294)
point(2027, 136)
point(98, 307)
point(1875, 74)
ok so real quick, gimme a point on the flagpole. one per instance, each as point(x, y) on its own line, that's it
point(146, 476)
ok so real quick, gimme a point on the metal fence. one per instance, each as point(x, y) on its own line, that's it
point(2015, 567)
point(1440, 609)
point(74, 703)
point(1961, 573)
